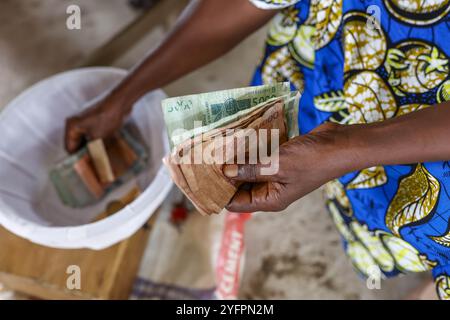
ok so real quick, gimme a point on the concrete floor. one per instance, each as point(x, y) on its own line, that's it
point(295, 254)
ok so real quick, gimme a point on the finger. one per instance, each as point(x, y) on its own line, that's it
point(242, 202)
point(74, 136)
point(261, 197)
point(247, 173)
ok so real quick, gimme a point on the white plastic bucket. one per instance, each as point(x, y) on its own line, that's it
point(31, 141)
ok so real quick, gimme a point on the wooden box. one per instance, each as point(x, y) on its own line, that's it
point(41, 272)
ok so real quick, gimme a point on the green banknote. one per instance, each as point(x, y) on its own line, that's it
point(187, 113)
point(291, 101)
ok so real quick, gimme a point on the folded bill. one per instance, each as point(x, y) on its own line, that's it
point(247, 135)
point(189, 112)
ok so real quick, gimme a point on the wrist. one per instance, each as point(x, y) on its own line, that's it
point(330, 151)
point(372, 144)
point(345, 149)
point(121, 100)
point(354, 143)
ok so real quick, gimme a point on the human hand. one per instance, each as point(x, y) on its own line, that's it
point(102, 118)
point(305, 163)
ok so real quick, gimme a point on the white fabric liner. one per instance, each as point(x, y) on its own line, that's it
point(32, 132)
point(273, 4)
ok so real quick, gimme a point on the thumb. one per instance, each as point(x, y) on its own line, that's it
point(246, 173)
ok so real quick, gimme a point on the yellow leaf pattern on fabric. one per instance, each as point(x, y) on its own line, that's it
point(418, 12)
point(443, 93)
point(443, 240)
point(364, 47)
point(375, 246)
point(342, 116)
point(415, 198)
point(408, 108)
point(412, 71)
point(280, 66)
point(331, 101)
point(302, 47)
point(334, 190)
point(407, 258)
point(395, 58)
point(369, 178)
point(368, 98)
point(443, 287)
point(283, 27)
point(328, 17)
point(361, 258)
point(434, 61)
point(419, 69)
point(340, 223)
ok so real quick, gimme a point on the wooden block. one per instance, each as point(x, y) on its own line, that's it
point(99, 157)
point(120, 155)
point(128, 154)
point(85, 170)
point(41, 272)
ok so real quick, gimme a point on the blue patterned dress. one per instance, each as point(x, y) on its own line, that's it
point(361, 61)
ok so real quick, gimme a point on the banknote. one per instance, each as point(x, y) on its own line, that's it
point(188, 112)
point(290, 112)
point(203, 181)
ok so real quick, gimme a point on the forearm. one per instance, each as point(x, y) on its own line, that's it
point(420, 136)
point(206, 30)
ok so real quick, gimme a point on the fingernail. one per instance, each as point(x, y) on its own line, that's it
point(230, 171)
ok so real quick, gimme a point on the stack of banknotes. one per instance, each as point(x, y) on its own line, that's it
point(101, 166)
point(207, 131)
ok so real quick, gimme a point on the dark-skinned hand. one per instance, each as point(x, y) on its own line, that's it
point(305, 163)
point(101, 119)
